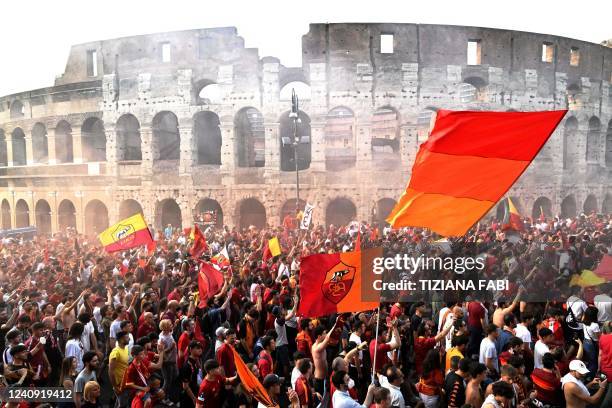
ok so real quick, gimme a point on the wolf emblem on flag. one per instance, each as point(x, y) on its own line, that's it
point(338, 282)
point(124, 233)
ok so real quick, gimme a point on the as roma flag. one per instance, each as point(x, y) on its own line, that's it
point(199, 243)
point(468, 163)
point(210, 281)
point(331, 283)
point(128, 233)
point(250, 383)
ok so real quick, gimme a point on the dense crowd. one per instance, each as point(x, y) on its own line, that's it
point(129, 329)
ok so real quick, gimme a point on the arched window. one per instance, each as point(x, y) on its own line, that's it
point(63, 143)
point(66, 214)
point(208, 93)
point(340, 139)
point(6, 215)
point(208, 212)
point(17, 110)
point(96, 217)
point(129, 207)
point(590, 205)
point(128, 138)
point(340, 211)
point(43, 217)
point(251, 212)
point(542, 207)
point(302, 91)
point(592, 148)
point(22, 214)
point(568, 207)
point(208, 137)
point(19, 147)
point(250, 137)
point(287, 146)
point(93, 140)
point(168, 212)
point(40, 146)
point(166, 136)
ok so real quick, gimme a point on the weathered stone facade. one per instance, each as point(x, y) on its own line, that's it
point(174, 123)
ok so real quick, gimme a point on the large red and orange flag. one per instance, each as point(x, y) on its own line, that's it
point(128, 233)
point(468, 163)
point(250, 383)
point(332, 283)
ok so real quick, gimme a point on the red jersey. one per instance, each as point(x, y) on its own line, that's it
point(476, 311)
point(605, 354)
point(265, 364)
point(136, 374)
point(225, 358)
point(304, 343)
point(421, 346)
point(303, 391)
point(209, 394)
point(381, 355)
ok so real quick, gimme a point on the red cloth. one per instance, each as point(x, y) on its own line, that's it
point(183, 345)
point(303, 391)
point(381, 354)
point(265, 364)
point(604, 269)
point(199, 244)
point(605, 353)
point(225, 358)
point(210, 281)
point(475, 312)
point(421, 346)
point(547, 386)
point(144, 330)
point(396, 311)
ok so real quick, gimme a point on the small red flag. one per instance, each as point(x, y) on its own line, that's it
point(151, 246)
point(199, 244)
point(210, 281)
point(267, 254)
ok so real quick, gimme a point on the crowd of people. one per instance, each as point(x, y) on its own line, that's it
point(130, 329)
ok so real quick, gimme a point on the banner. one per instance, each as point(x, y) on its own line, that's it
point(307, 219)
point(128, 233)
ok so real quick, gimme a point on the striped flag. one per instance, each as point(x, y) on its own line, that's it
point(512, 218)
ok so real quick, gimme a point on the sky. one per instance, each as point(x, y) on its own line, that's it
point(35, 36)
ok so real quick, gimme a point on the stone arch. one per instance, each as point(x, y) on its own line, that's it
point(251, 211)
point(40, 145)
point(288, 208)
point(568, 207)
point(207, 211)
point(570, 142)
point(93, 140)
point(592, 146)
point(17, 110)
point(19, 147)
point(3, 150)
point(129, 207)
point(302, 90)
point(340, 211)
point(166, 139)
point(590, 205)
point(608, 147)
point(385, 133)
point(207, 92)
point(541, 205)
point(287, 133)
point(22, 214)
point(42, 211)
point(574, 98)
point(96, 217)
point(606, 207)
point(6, 215)
point(63, 143)
point(129, 143)
point(250, 137)
point(167, 212)
point(66, 215)
point(340, 152)
point(384, 206)
point(207, 134)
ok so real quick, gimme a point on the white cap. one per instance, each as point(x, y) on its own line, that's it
point(577, 365)
point(220, 331)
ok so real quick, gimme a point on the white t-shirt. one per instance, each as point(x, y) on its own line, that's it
point(357, 340)
point(74, 348)
point(591, 332)
point(114, 329)
point(85, 337)
point(295, 374)
point(538, 352)
point(578, 307)
point(523, 333)
point(488, 350)
point(603, 303)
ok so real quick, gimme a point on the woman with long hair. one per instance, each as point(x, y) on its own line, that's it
point(592, 331)
point(91, 393)
point(431, 381)
point(68, 374)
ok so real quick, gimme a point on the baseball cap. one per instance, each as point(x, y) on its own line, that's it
point(577, 365)
point(18, 349)
point(220, 331)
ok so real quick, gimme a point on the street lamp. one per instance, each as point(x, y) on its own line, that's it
point(297, 140)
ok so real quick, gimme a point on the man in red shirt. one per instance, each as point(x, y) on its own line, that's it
point(476, 324)
point(381, 348)
point(303, 339)
point(302, 387)
point(137, 375)
point(547, 382)
point(147, 326)
point(212, 388)
point(425, 341)
point(188, 327)
point(264, 360)
point(225, 355)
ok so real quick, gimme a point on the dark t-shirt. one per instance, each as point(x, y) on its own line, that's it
point(454, 388)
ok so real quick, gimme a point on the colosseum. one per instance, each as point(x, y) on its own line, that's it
point(177, 124)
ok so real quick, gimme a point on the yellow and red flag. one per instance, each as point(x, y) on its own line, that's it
point(271, 249)
point(250, 383)
point(331, 283)
point(199, 243)
point(512, 218)
point(468, 163)
point(128, 233)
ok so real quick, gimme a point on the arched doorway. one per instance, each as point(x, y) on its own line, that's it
point(590, 204)
point(40, 147)
point(208, 212)
point(168, 212)
point(63, 143)
point(384, 206)
point(251, 212)
point(606, 208)
point(19, 147)
point(6, 215)
point(96, 217)
point(250, 138)
point(93, 140)
point(287, 137)
point(541, 206)
point(568, 207)
point(22, 214)
point(340, 153)
point(66, 215)
point(43, 217)
point(288, 208)
point(128, 138)
point(340, 211)
point(207, 136)
point(3, 151)
point(166, 140)
point(129, 207)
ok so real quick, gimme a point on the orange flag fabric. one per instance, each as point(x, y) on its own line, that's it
point(250, 383)
point(331, 283)
point(468, 163)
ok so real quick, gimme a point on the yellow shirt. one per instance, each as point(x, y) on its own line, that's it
point(121, 357)
point(450, 354)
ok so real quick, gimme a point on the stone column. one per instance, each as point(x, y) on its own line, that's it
point(54, 211)
point(272, 167)
point(9, 151)
point(111, 150)
point(77, 145)
point(364, 145)
point(29, 150)
point(146, 138)
point(228, 147)
point(408, 146)
point(317, 140)
point(51, 148)
point(80, 211)
point(187, 146)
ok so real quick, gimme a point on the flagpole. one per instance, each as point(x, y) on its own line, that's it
point(376, 343)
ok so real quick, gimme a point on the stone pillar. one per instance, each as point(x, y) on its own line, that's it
point(77, 145)
point(146, 137)
point(9, 151)
point(272, 167)
point(187, 146)
point(29, 150)
point(364, 145)
point(54, 211)
point(51, 148)
point(80, 211)
point(228, 147)
point(317, 140)
point(111, 150)
point(408, 146)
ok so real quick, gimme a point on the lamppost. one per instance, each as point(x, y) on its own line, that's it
point(297, 140)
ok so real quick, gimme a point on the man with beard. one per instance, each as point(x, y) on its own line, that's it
point(225, 355)
point(88, 373)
